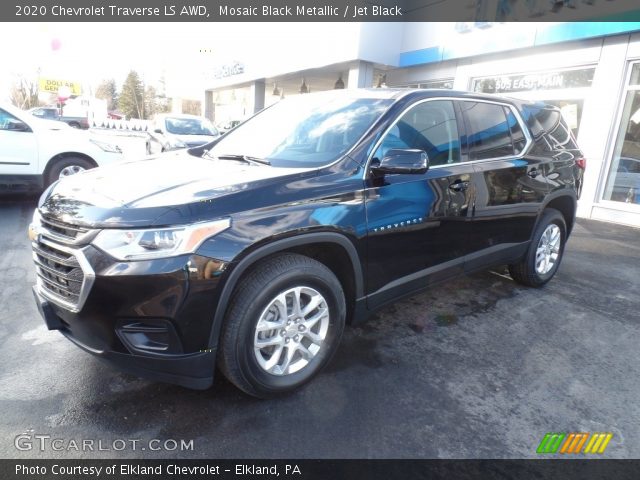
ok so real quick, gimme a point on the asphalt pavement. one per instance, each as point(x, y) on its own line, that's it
point(478, 367)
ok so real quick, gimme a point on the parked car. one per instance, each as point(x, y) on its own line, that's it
point(626, 183)
point(224, 127)
point(52, 113)
point(173, 132)
point(252, 252)
point(112, 115)
point(34, 153)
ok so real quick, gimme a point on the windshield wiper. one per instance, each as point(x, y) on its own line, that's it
point(244, 158)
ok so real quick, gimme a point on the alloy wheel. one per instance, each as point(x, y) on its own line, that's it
point(70, 170)
point(548, 249)
point(291, 330)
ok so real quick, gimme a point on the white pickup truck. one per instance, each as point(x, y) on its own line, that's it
point(34, 153)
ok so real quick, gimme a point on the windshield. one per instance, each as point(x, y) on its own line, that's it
point(304, 131)
point(189, 126)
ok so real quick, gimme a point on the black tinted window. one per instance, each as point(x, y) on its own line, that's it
point(556, 130)
point(550, 131)
point(488, 132)
point(429, 126)
point(517, 135)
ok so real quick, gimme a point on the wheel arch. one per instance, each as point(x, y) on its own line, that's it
point(332, 249)
point(566, 204)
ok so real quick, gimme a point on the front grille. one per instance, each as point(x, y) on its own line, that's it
point(59, 271)
point(68, 233)
point(63, 274)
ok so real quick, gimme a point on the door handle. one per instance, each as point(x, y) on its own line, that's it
point(459, 186)
point(533, 173)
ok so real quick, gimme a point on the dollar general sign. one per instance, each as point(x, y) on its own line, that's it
point(51, 85)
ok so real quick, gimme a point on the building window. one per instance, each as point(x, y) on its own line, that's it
point(438, 84)
point(445, 83)
point(623, 180)
point(524, 82)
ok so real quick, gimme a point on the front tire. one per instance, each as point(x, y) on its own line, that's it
point(65, 167)
point(283, 325)
point(545, 251)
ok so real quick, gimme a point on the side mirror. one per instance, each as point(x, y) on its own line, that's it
point(401, 160)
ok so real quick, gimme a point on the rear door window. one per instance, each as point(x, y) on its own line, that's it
point(488, 132)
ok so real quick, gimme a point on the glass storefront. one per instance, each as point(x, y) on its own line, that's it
point(623, 180)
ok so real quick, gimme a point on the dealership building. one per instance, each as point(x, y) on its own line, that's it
point(590, 70)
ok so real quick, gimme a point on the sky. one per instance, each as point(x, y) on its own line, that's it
point(183, 53)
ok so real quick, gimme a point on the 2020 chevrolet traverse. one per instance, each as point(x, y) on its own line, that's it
point(251, 252)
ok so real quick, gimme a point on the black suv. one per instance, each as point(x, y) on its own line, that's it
point(252, 252)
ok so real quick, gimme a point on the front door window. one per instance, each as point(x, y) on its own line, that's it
point(430, 126)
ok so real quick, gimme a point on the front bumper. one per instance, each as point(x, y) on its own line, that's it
point(151, 318)
point(193, 370)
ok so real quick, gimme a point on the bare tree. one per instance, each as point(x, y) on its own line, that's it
point(23, 93)
point(193, 107)
point(108, 91)
point(154, 102)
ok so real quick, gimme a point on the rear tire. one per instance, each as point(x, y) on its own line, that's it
point(283, 325)
point(545, 251)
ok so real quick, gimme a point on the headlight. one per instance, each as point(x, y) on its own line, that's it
point(176, 143)
point(136, 244)
point(107, 147)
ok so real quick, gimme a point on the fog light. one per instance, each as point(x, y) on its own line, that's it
point(149, 336)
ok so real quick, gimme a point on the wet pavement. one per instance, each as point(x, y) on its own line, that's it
point(476, 367)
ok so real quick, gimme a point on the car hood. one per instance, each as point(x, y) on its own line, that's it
point(144, 191)
point(47, 124)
